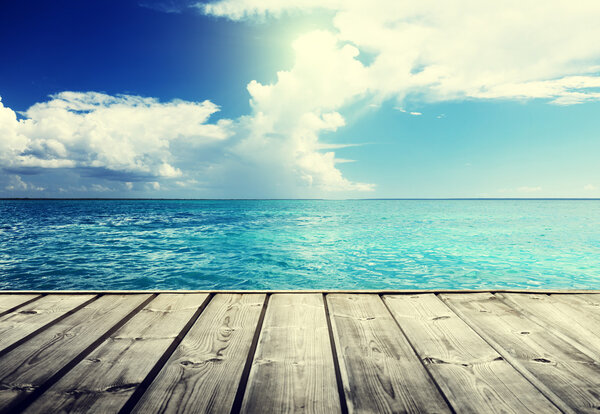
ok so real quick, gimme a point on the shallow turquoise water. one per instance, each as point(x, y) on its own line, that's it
point(297, 244)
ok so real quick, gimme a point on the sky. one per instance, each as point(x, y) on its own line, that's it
point(299, 99)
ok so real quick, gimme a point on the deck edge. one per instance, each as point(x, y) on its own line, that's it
point(324, 291)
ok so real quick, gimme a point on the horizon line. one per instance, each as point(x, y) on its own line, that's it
point(297, 199)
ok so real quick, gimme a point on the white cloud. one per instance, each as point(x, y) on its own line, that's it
point(422, 50)
point(91, 130)
point(590, 187)
point(462, 48)
point(187, 183)
point(120, 133)
point(276, 148)
point(398, 108)
point(17, 183)
point(12, 142)
point(288, 115)
point(526, 189)
point(100, 188)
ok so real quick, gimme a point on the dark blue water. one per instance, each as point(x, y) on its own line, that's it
point(294, 244)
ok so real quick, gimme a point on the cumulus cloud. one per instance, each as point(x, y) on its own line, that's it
point(272, 152)
point(289, 114)
point(16, 183)
point(426, 51)
point(119, 133)
point(462, 48)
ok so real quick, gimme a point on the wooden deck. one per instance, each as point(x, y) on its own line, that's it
point(316, 352)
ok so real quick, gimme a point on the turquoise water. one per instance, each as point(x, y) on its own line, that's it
point(298, 244)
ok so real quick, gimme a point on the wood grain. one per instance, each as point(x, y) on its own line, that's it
point(588, 304)
point(472, 375)
point(570, 374)
point(107, 377)
point(480, 352)
point(30, 318)
point(571, 322)
point(8, 302)
point(375, 357)
point(293, 369)
point(204, 372)
point(30, 365)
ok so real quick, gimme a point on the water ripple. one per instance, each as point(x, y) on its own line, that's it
point(99, 244)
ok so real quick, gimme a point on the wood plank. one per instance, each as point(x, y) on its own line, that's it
point(574, 323)
point(472, 375)
point(28, 319)
point(293, 369)
point(587, 303)
point(568, 373)
point(204, 372)
point(8, 301)
point(107, 377)
point(374, 357)
point(26, 368)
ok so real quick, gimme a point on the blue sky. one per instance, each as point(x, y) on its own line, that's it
point(262, 99)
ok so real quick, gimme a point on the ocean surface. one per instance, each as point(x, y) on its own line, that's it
point(299, 244)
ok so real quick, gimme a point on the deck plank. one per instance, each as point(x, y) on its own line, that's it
point(107, 377)
point(573, 323)
point(27, 367)
point(293, 369)
point(589, 304)
point(472, 375)
point(493, 352)
point(570, 374)
point(8, 301)
point(374, 357)
point(204, 372)
point(28, 319)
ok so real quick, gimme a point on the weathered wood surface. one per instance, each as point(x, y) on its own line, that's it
point(572, 322)
point(9, 302)
point(28, 319)
point(122, 362)
point(375, 358)
point(586, 303)
point(569, 373)
point(473, 376)
point(506, 352)
point(293, 369)
point(204, 371)
point(26, 368)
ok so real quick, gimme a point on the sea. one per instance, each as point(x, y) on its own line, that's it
point(299, 244)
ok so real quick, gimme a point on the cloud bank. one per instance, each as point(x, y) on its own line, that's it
point(387, 50)
point(136, 143)
point(460, 49)
point(119, 133)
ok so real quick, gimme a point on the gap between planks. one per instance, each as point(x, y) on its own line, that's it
point(538, 384)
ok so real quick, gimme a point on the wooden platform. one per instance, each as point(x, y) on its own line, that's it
point(316, 352)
